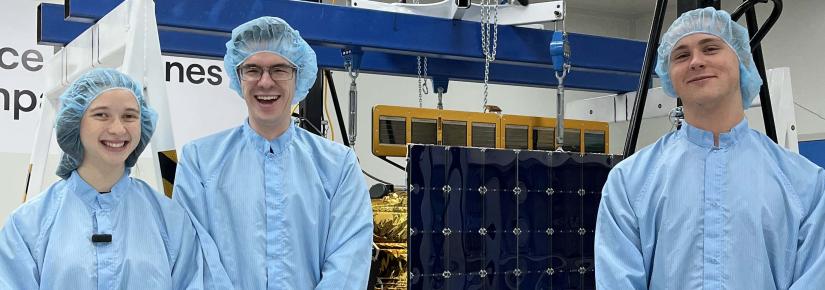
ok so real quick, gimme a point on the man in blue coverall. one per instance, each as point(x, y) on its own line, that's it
point(285, 209)
point(714, 205)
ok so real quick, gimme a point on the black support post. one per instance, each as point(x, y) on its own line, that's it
point(311, 109)
point(764, 94)
point(644, 78)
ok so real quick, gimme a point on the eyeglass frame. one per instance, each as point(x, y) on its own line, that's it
point(270, 70)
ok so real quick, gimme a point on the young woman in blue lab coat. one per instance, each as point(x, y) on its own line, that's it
point(99, 228)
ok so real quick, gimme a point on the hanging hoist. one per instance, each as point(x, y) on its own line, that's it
point(489, 19)
point(560, 54)
point(352, 63)
point(440, 86)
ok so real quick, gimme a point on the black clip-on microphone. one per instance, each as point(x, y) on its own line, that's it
point(101, 238)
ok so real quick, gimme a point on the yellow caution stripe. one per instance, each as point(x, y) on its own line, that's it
point(168, 161)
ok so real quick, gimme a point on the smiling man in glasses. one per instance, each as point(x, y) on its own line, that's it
point(715, 205)
point(285, 209)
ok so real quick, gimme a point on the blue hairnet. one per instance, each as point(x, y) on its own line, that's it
point(718, 23)
point(73, 104)
point(271, 34)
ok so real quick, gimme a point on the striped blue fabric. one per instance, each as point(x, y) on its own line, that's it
point(685, 214)
point(46, 243)
point(290, 213)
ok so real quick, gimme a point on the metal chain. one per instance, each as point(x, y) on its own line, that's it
point(426, 90)
point(485, 48)
point(489, 56)
point(422, 82)
point(420, 86)
point(495, 32)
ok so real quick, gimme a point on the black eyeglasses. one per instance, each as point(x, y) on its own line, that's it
point(254, 73)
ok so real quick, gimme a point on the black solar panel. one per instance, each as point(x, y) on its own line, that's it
point(502, 219)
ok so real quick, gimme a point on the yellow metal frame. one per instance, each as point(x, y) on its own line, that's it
point(500, 121)
point(531, 122)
